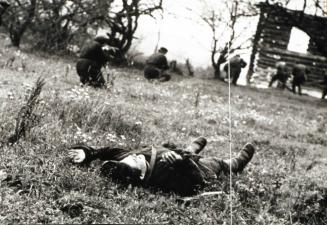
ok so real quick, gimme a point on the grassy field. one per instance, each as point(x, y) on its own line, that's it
point(284, 184)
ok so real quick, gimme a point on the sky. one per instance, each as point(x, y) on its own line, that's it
point(177, 31)
point(181, 30)
point(186, 36)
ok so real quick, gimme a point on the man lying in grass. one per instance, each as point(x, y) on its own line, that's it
point(182, 171)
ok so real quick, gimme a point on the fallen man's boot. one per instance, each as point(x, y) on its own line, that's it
point(197, 145)
point(244, 157)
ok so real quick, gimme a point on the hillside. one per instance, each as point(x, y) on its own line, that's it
point(284, 184)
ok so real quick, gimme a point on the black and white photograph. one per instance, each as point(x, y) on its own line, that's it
point(163, 112)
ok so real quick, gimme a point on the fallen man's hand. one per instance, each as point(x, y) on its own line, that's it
point(171, 157)
point(77, 155)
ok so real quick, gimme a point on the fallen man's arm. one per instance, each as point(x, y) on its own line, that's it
point(83, 154)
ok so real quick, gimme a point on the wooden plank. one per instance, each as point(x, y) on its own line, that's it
point(281, 42)
point(294, 60)
point(280, 27)
point(268, 44)
point(266, 63)
point(279, 21)
point(271, 33)
point(298, 55)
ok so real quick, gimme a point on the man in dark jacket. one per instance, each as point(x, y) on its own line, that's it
point(92, 59)
point(281, 74)
point(236, 64)
point(299, 73)
point(4, 4)
point(167, 167)
point(156, 65)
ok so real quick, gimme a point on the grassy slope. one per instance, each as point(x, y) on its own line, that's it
point(283, 184)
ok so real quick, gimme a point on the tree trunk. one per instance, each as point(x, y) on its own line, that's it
point(217, 73)
point(189, 68)
point(221, 60)
point(15, 38)
point(17, 29)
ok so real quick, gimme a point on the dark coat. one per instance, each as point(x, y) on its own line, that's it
point(93, 51)
point(89, 65)
point(236, 64)
point(282, 73)
point(299, 74)
point(158, 60)
point(184, 177)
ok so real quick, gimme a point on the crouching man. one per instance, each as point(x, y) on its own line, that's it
point(91, 60)
point(281, 75)
point(156, 65)
point(167, 167)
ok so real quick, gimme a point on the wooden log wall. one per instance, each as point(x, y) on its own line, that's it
point(275, 29)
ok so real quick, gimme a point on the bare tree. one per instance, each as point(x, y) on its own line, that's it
point(52, 25)
point(124, 24)
point(321, 5)
point(224, 36)
point(119, 17)
point(56, 23)
point(18, 18)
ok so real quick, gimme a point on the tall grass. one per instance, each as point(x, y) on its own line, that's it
point(284, 184)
